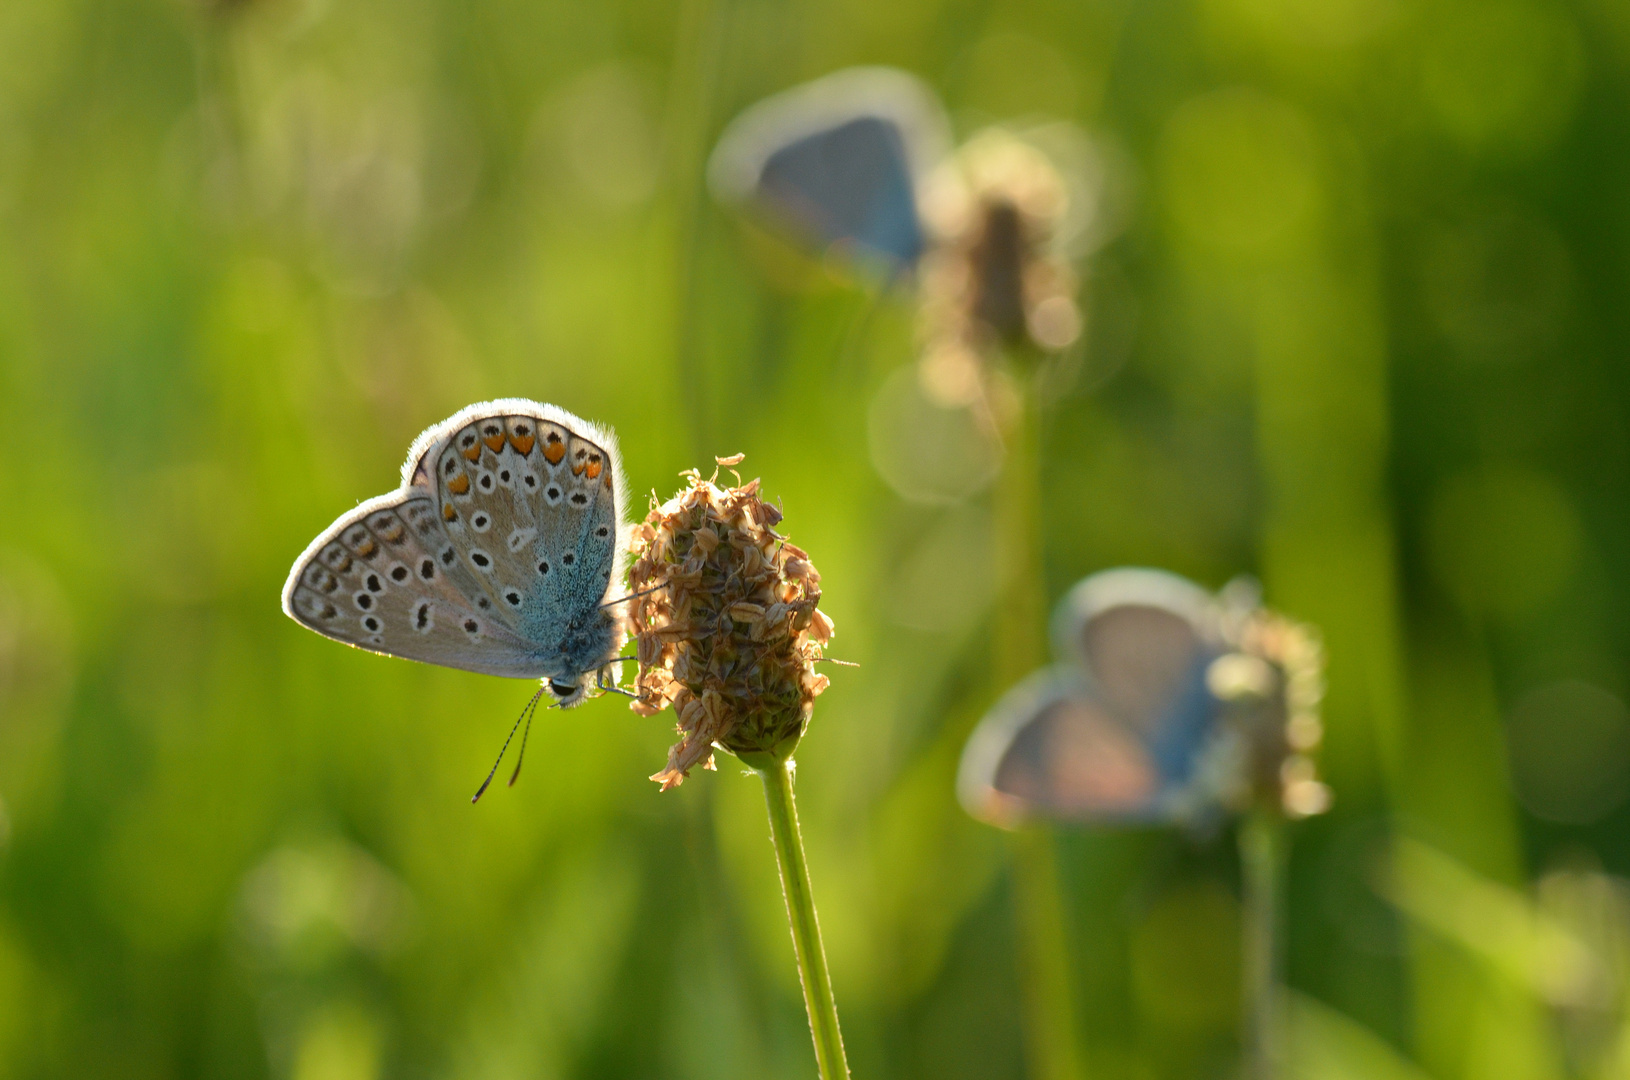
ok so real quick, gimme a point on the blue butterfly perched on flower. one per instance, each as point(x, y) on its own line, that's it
point(859, 164)
point(499, 553)
point(1168, 705)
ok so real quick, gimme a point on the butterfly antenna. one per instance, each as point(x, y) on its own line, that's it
point(521, 755)
point(525, 712)
point(634, 596)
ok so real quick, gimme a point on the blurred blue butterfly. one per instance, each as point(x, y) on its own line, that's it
point(837, 162)
point(1160, 711)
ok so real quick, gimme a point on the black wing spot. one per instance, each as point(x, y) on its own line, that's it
point(531, 481)
point(543, 567)
point(471, 626)
point(513, 597)
point(602, 532)
point(468, 440)
point(522, 430)
point(486, 481)
point(373, 583)
point(480, 559)
point(328, 612)
point(372, 624)
point(503, 475)
point(553, 492)
point(364, 601)
point(484, 604)
point(579, 499)
point(568, 559)
point(448, 555)
point(479, 521)
point(421, 616)
point(427, 569)
point(399, 573)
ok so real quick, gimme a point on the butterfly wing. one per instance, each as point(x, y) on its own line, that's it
point(510, 515)
point(1145, 639)
point(837, 161)
point(380, 578)
point(1050, 750)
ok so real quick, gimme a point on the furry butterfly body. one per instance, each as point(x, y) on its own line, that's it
point(497, 554)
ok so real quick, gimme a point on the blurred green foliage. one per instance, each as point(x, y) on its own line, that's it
point(1362, 335)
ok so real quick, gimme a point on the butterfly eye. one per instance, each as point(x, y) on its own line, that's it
point(562, 690)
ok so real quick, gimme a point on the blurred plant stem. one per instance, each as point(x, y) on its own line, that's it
point(691, 94)
point(1020, 648)
point(806, 930)
point(1262, 853)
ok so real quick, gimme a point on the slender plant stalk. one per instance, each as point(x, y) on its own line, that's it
point(1048, 1000)
point(1261, 843)
point(806, 930)
point(1044, 972)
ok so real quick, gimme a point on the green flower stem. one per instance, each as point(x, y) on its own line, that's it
point(806, 930)
point(1261, 844)
point(1044, 972)
point(1047, 997)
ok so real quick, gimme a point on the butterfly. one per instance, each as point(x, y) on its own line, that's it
point(838, 162)
point(497, 554)
point(858, 163)
point(1169, 705)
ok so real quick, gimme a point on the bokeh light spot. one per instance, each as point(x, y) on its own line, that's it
point(1569, 745)
point(1241, 172)
point(1501, 75)
point(1505, 540)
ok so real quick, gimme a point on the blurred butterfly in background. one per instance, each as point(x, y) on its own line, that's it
point(857, 164)
point(1168, 706)
point(497, 554)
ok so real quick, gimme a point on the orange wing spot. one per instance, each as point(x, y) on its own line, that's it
point(459, 484)
point(554, 451)
point(474, 452)
point(608, 481)
point(577, 470)
point(448, 513)
point(495, 443)
point(366, 549)
point(522, 443)
point(593, 468)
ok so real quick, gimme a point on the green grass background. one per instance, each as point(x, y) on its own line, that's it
point(1362, 335)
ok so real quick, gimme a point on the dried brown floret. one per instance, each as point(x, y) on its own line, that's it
point(727, 630)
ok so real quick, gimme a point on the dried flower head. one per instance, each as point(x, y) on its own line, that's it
point(999, 275)
point(726, 626)
point(1275, 680)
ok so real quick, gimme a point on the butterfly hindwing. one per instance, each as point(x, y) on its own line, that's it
point(379, 578)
